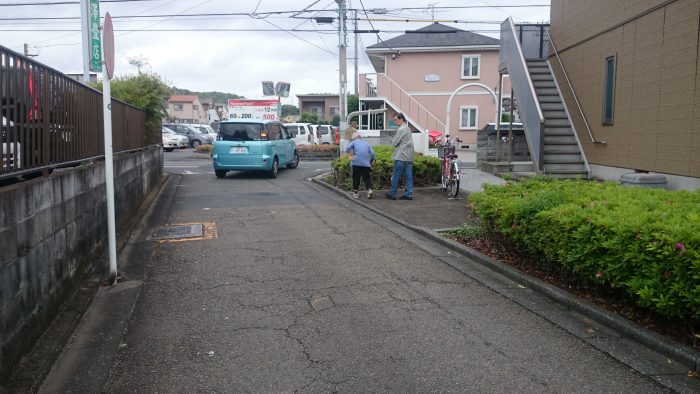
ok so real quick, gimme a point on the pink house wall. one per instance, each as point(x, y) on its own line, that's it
point(188, 111)
point(409, 70)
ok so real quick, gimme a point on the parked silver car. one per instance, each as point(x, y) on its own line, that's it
point(193, 134)
point(173, 140)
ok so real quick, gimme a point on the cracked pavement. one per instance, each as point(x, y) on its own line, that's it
point(305, 292)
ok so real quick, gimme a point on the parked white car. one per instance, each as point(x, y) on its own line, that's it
point(193, 134)
point(323, 133)
point(173, 140)
point(206, 129)
point(301, 133)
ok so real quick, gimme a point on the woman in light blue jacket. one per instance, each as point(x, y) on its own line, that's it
point(361, 160)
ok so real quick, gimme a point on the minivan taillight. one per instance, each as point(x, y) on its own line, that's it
point(308, 137)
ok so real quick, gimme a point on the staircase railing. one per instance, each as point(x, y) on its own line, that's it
point(512, 60)
point(422, 118)
point(573, 94)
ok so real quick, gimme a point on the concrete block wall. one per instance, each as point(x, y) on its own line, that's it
point(53, 231)
point(486, 146)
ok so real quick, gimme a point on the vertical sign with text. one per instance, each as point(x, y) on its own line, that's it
point(95, 41)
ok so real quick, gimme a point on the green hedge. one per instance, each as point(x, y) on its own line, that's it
point(426, 170)
point(645, 241)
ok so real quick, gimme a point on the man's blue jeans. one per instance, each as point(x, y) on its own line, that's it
point(404, 168)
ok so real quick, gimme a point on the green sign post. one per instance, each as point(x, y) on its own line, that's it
point(95, 41)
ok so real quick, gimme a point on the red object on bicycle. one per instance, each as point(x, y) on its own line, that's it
point(336, 135)
point(434, 136)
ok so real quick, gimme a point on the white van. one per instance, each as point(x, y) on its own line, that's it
point(323, 133)
point(301, 133)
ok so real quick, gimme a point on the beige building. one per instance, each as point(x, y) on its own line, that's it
point(324, 105)
point(187, 109)
point(633, 69)
point(416, 73)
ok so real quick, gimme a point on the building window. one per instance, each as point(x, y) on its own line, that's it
point(177, 107)
point(609, 91)
point(469, 118)
point(334, 111)
point(317, 111)
point(195, 107)
point(470, 66)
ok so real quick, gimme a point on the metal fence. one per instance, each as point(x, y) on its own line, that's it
point(51, 120)
point(534, 40)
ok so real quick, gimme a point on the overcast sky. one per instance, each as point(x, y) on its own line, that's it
point(236, 61)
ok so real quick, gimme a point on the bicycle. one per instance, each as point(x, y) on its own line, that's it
point(450, 167)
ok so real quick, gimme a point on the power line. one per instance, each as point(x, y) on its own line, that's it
point(372, 26)
point(189, 30)
point(258, 15)
point(278, 29)
point(68, 2)
point(306, 41)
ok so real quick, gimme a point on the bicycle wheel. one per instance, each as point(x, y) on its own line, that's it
point(453, 187)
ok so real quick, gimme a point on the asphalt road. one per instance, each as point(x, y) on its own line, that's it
point(303, 291)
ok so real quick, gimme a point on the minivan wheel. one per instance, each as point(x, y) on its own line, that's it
point(275, 168)
point(295, 161)
point(196, 143)
point(220, 173)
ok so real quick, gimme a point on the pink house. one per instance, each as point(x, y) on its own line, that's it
point(418, 72)
point(187, 109)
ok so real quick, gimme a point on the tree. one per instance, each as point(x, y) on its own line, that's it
point(336, 121)
point(309, 118)
point(289, 110)
point(138, 62)
point(353, 103)
point(217, 97)
point(146, 91)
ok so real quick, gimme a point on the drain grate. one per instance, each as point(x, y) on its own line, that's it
point(178, 232)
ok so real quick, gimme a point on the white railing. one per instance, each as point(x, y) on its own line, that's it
point(380, 85)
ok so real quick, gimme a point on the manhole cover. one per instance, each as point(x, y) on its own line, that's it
point(177, 232)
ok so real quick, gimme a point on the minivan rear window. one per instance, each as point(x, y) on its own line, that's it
point(240, 131)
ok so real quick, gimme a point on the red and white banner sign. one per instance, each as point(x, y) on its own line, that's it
point(253, 109)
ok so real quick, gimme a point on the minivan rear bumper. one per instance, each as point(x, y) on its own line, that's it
point(261, 163)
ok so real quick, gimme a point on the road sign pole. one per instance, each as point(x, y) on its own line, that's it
point(109, 175)
point(107, 71)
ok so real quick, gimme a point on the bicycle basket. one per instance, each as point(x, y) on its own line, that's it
point(446, 150)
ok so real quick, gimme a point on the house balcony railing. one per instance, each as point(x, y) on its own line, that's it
point(381, 86)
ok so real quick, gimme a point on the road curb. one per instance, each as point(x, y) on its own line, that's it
point(648, 338)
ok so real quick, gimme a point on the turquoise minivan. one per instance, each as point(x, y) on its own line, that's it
point(253, 145)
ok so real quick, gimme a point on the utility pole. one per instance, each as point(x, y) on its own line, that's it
point(86, 39)
point(357, 60)
point(26, 51)
point(342, 49)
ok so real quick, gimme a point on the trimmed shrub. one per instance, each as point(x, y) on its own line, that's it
point(426, 170)
point(645, 241)
point(318, 148)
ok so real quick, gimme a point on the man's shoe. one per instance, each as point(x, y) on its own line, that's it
point(369, 194)
point(405, 198)
point(390, 197)
point(355, 195)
